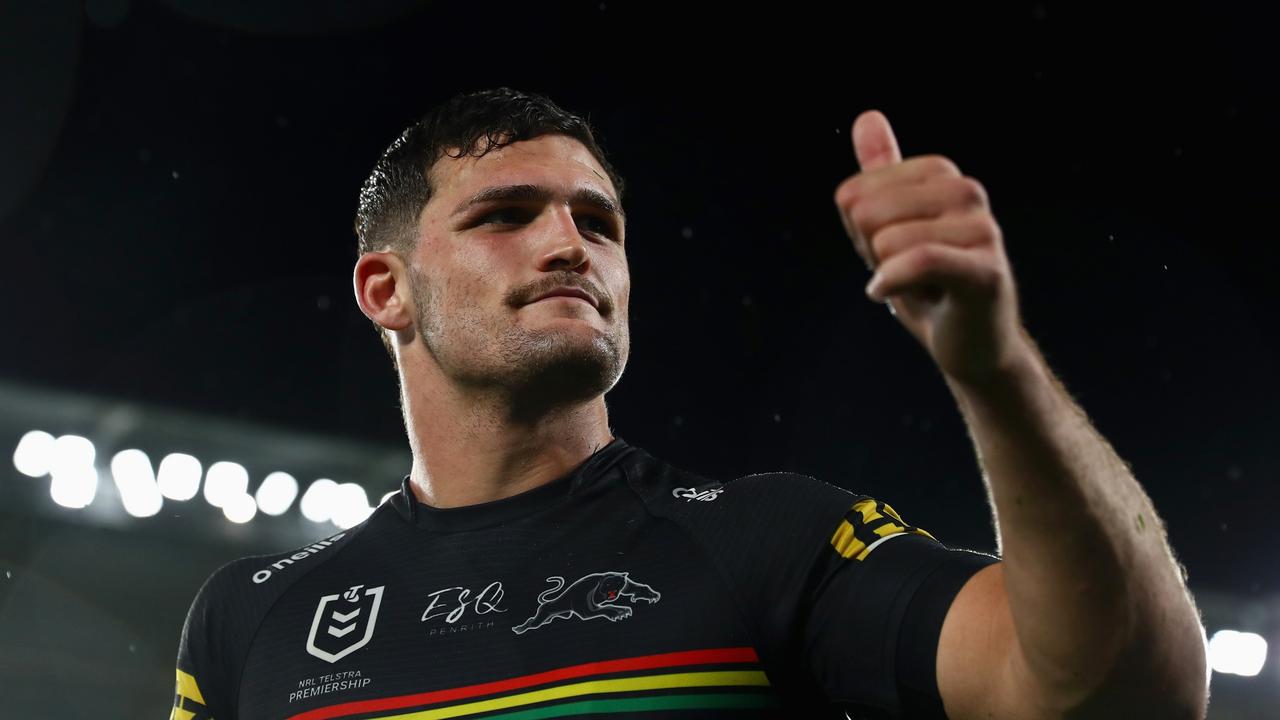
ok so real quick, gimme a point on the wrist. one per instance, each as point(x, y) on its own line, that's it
point(1021, 367)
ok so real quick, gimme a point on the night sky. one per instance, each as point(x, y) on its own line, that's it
point(181, 178)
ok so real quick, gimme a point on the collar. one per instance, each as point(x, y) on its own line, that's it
point(593, 469)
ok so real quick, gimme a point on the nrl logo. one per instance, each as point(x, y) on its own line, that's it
point(695, 494)
point(342, 616)
point(588, 597)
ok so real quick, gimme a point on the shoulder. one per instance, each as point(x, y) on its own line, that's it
point(777, 496)
point(782, 512)
point(280, 567)
point(241, 592)
point(235, 598)
point(271, 569)
point(225, 616)
point(788, 511)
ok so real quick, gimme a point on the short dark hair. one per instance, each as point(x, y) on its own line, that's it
point(400, 185)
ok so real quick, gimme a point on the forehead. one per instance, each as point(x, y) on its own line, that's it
point(558, 162)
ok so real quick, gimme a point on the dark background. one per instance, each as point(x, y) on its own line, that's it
point(180, 179)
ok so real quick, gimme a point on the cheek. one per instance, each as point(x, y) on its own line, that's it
point(624, 299)
point(470, 277)
point(480, 269)
point(621, 282)
point(485, 252)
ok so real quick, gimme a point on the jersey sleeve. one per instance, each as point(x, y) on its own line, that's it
point(845, 599)
point(876, 612)
point(203, 687)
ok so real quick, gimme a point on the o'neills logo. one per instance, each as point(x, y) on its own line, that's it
point(264, 574)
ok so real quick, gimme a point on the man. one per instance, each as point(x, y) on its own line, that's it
point(534, 565)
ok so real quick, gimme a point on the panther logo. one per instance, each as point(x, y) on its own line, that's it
point(588, 597)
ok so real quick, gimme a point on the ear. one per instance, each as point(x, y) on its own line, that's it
point(382, 290)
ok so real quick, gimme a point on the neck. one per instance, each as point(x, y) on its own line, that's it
point(470, 449)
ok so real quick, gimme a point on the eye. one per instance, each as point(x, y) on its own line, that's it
point(510, 213)
point(513, 216)
point(604, 228)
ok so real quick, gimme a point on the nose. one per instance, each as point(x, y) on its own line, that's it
point(563, 245)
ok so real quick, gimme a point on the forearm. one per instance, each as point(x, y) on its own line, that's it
point(1101, 612)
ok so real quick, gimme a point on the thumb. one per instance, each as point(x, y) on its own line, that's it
point(873, 141)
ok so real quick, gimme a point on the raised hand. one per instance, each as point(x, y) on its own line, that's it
point(937, 254)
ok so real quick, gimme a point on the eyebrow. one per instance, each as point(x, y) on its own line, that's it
point(527, 193)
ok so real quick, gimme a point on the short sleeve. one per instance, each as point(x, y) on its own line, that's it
point(871, 637)
point(201, 685)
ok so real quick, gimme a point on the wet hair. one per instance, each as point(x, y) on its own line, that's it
point(394, 194)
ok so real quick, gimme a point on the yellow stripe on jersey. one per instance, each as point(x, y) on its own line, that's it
point(188, 688)
point(873, 521)
point(188, 703)
point(845, 542)
point(590, 687)
point(867, 509)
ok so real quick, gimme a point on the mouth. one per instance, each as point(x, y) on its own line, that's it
point(568, 293)
point(572, 298)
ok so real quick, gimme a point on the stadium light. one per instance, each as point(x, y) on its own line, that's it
point(239, 508)
point(71, 453)
point(179, 476)
point(223, 481)
point(349, 505)
point(277, 493)
point(131, 470)
point(34, 454)
point(315, 502)
point(75, 479)
point(74, 488)
point(1237, 653)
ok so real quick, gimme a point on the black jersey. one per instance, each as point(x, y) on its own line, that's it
point(628, 586)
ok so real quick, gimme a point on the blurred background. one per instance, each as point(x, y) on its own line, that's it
point(185, 377)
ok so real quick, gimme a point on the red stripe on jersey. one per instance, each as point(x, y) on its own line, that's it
point(642, 662)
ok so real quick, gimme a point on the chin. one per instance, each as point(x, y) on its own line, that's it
point(572, 368)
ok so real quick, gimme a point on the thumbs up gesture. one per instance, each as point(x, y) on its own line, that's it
point(937, 255)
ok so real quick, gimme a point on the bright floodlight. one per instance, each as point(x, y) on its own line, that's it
point(74, 487)
point(1237, 653)
point(276, 493)
point(34, 454)
point(75, 480)
point(239, 508)
point(223, 481)
point(132, 472)
point(350, 505)
point(179, 476)
point(315, 501)
point(71, 455)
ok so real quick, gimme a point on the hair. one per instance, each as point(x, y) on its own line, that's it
point(400, 185)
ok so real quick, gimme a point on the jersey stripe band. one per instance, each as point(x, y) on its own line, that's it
point(642, 704)
point(591, 687)
point(641, 682)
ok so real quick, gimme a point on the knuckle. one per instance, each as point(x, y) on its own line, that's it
point(926, 258)
point(880, 245)
point(846, 193)
point(885, 242)
point(987, 281)
point(984, 227)
point(941, 165)
point(896, 238)
point(972, 191)
point(863, 216)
